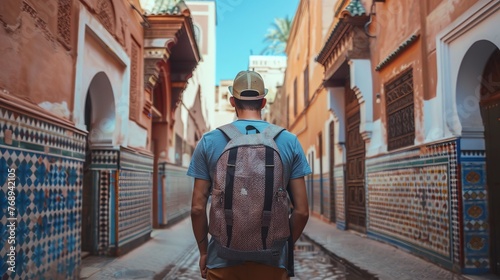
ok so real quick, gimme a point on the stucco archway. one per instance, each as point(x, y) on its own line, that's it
point(469, 81)
point(102, 117)
point(463, 49)
point(100, 122)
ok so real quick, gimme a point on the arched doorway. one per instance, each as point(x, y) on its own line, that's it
point(355, 164)
point(100, 124)
point(478, 111)
point(490, 111)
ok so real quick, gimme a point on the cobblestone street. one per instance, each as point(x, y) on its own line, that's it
point(315, 258)
point(310, 264)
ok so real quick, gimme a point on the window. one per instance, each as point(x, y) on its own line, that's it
point(400, 111)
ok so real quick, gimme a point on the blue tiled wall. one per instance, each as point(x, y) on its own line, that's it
point(48, 162)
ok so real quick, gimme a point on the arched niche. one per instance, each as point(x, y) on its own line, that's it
point(100, 117)
point(468, 87)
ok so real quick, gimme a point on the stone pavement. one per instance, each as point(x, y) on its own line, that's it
point(382, 260)
point(152, 260)
point(174, 249)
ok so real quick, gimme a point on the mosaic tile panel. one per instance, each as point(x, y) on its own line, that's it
point(475, 212)
point(134, 205)
point(103, 222)
point(104, 159)
point(28, 133)
point(412, 204)
point(315, 200)
point(135, 161)
point(338, 173)
point(450, 151)
point(326, 197)
point(177, 192)
point(413, 201)
point(48, 160)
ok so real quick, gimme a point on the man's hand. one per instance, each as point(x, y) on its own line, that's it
point(199, 220)
point(203, 266)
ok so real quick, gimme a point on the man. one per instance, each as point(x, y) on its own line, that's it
point(248, 98)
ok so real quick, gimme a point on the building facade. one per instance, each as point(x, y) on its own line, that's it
point(193, 115)
point(89, 91)
point(405, 99)
point(272, 69)
point(306, 98)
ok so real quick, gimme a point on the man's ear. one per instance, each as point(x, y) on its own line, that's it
point(264, 101)
point(231, 101)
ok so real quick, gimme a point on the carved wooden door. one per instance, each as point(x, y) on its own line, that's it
point(490, 111)
point(355, 166)
point(332, 177)
point(491, 119)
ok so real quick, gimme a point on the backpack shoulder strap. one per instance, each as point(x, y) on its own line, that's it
point(272, 131)
point(230, 131)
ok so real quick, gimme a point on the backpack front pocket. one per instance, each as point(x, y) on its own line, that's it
point(216, 218)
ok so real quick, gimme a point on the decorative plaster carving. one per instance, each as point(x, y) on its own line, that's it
point(64, 22)
point(151, 72)
point(156, 53)
point(134, 88)
point(106, 15)
point(123, 33)
point(358, 94)
point(39, 22)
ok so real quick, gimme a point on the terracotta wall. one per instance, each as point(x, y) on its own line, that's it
point(37, 43)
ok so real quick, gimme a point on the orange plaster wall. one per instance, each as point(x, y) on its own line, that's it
point(35, 65)
point(316, 116)
point(394, 23)
point(306, 44)
point(440, 15)
point(295, 67)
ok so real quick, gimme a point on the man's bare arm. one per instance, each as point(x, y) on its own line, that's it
point(199, 218)
point(300, 213)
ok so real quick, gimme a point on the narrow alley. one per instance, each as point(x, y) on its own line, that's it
point(384, 117)
point(324, 252)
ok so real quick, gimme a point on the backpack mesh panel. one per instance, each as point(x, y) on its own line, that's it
point(248, 201)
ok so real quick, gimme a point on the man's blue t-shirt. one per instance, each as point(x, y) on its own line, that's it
point(207, 153)
point(212, 144)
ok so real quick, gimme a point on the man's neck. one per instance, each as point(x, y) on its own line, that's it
point(249, 115)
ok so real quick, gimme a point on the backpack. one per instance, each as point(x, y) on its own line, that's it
point(249, 214)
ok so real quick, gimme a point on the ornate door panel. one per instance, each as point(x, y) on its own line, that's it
point(332, 178)
point(491, 119)
point(355, 169)
point(490, 111)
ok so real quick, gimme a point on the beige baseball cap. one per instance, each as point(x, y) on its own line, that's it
point(246, 81)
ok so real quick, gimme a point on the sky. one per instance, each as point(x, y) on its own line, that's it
point(240, 31)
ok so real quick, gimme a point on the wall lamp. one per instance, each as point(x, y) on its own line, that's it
point(377, 98)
